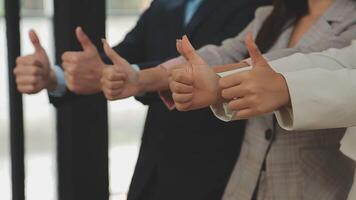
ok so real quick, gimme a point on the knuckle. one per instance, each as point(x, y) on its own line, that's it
point(18, 59)
point(182, 107)
point(111, 77)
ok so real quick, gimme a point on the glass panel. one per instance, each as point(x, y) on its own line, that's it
point(126, 119)
point(39, 122)
point(119, 7)
point(38, 115)
point(1, 8)
point(5, 181)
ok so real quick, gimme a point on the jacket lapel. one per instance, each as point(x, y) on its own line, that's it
point(206, 8)
point(324, 28)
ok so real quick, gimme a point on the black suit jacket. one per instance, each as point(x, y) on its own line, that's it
point(184, 155)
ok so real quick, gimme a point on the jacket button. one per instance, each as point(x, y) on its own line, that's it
point(268, 134)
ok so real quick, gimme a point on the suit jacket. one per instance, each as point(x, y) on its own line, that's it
point(285, 164)
point(329, 101)
point(179, 158)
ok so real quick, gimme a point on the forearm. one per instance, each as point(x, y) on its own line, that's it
point(229, 67)
point(153, 79)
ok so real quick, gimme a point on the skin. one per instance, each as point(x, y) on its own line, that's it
point(255, 92)
point(83, 69)
point(195, 85)
point(120, 80)
point(250, 93)
point(33, 72)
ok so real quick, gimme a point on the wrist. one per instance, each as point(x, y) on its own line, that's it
point(52, 83)
point(283, 91)
point(220, 98)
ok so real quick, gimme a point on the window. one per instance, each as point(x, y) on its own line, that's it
point(2, 8)
point(120, 7)
point(39, 115)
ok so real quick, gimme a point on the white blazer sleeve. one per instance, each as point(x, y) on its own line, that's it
point(316, 81)
point(322, 91)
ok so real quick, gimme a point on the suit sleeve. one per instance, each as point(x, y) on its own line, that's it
point(322, 88)
point(323, 95)
point(233, 50)
point(323, 43)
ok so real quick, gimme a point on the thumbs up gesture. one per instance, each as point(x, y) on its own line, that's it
point(256, 92)
point(119, 80)
point(195, 85)
point(83, 69)
point(33, 72)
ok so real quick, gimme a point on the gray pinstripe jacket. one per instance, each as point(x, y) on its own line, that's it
point(299, 165)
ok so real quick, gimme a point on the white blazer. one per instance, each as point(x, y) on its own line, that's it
point(322, 87)
point(323, 97)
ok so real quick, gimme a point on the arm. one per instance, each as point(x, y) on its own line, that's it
point(323, 43)
point(329, 60)
point(329, 100)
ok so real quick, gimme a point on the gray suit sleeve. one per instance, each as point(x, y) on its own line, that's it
point(335, 41)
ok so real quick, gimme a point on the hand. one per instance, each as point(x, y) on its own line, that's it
point(33, 72)
point(256, 92)
point(195, 85)
point(229, 67)
point(120, 80)
point(83, 69)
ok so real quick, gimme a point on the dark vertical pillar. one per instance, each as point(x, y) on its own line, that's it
point(82, 120)
point(12, 15)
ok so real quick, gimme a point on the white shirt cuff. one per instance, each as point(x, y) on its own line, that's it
point(61, 88)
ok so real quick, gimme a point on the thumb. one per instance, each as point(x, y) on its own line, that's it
point(256, 56)
point(113, 56)
point(35, 41)
point(187, 50)
point(83, 39)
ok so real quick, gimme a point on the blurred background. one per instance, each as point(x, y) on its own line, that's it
point(39, 115)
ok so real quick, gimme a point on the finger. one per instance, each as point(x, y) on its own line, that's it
point(28, 89)
point(112, 85)
point(84, 40)
point(183, 106)
point(182, 76)
point(176, 67)
point(112, 94)
point(26, 60)
point(35, 41)
point(27, 70)
point(238, 104)
point(72, 56)
point(113, 56)
point(232, 80)
point(189, 53)
point(111, 76)
point(245, 114)
point(180, 88)
point(234, 92)
point(28, 80)
point(255, 54)
point(182, 98)
point(179, 46)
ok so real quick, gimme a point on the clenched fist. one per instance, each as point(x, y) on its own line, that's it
point(195, 85)
point(83, 69)
point(33, 72)
point(255, 92)
point(119, 80)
